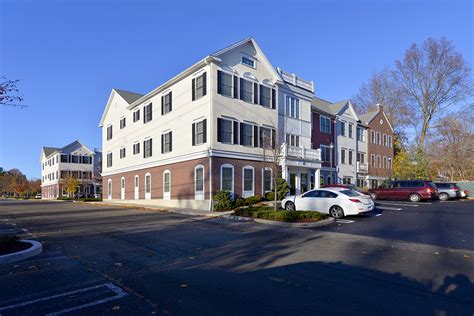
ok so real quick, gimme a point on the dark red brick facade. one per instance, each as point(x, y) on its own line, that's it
point(319, 138)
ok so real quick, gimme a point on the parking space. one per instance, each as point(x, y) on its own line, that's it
point(441, 223)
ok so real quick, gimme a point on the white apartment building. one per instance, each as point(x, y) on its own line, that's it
point(207, 129)
point(75, 160)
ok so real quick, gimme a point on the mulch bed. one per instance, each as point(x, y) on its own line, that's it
point(12, 247)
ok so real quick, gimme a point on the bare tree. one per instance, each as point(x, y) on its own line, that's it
point(384, 89)
point(9, 92)
point(433, 76)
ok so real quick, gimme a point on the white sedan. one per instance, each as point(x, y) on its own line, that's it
point(337, 202)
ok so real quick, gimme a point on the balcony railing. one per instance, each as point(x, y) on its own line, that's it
point(300, 152)
point(296, 81)
point(362, 167)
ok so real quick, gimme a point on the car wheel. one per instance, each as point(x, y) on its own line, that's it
point(444, 197)
point(414, 197)
point(290, 206)
point(373, 196)
point(336, 211)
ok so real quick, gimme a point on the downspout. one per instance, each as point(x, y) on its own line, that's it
point(210, 129)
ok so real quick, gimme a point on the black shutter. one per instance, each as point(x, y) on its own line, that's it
point(162, 143)
point(151, 147)
point(162, 104)
point(255, 136)
point(260, 137)
point(273, 138)
point(255, 93)
point(236, 87)
point(236, 133)
point(171, 101)
point(219, 129)
point(241, 90)
point(194, 133)
point(241, 133)
point(273, 99)
point(193, 87)
point(261, 101)
point(204, 130)
point(144, 149)
point(219, 82)
point(204, 84)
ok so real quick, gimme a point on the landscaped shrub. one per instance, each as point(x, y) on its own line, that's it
point(282, 189)
point(224, 201)
point(253, 200)
point(264, 212)
point(270, 196)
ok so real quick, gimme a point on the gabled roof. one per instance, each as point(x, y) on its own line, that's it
point(333, 108)
point(128, 96)
point(368, 117)
point(321, 105)
point(49, 150)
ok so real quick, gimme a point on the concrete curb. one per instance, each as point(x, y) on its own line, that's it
point(324, 222)
point(34, 250)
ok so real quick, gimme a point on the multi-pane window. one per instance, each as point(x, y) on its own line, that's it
point(389, 141)
point(109, 160)
point(343, 128)
point(325, 124)
point(248, 179)
point(122, 152)
point(147, 148)
point(148, 113)
point(372, 137)
point(350, 156)
point(246, 90)
point(225, 129)
point(351, 128)
point(385, 142)
point(361, 157)
point(136, 115)
point(166, 105)
point(199, 87)
point(343, 156)
point(385, 166)
point(224, 83)
point(227, 175)
point(109, 188)
point(123, 123)
point(372, 160)
point(325, 153)
point(199, 179)
point(293, 140)
point(147, 183)
point(379, 161)
point(136, 148)
point(267, 180)
point(109, 132)
point(265, 96)
point(166, 181)
point(246, 134)
point(248, 61)
point(166, 143)
point(379, 141)
point(292, 107)
point(199, 132)
point(360, 134)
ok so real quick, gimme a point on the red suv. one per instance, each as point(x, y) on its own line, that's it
point(413, 190)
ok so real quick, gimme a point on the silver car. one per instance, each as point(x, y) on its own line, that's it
point(448, 191)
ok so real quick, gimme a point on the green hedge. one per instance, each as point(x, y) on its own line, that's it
point(225, 202)
point(264, 212)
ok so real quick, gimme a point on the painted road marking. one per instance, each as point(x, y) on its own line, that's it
point(397, 204)
point(389, 208)
point(379, 214)
point(344, 221)
point(119, 293)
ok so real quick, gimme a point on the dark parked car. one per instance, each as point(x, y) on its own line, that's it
point(413, 190)
point(448, 190)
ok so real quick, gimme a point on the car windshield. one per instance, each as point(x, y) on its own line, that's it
point(350, 193)
point(431, 184)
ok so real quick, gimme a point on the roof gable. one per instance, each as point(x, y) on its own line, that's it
point(127, 96)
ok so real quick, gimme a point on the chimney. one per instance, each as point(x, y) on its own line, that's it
point(379, 107)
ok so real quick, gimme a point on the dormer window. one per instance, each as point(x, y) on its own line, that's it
point(247, 61)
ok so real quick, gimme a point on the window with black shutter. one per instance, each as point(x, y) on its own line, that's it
point(224, 133)
point(236, 87)
point(255, 93)
point(236, 133)
point(199, 87)
point(147, 113)
point(273, 99)
point(199, 133)
point(246, 90)
point(224, 83)
point(255, 137)
point(166, 103)
point(166, 143)
point(265, 96)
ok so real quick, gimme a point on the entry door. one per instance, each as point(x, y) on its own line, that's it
point(122, 189)
point(304, 182)
point(292, 183)
point(136, 187)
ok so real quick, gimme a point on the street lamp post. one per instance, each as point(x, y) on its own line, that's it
point(331, 147)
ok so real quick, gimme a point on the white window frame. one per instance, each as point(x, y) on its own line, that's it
point(227, 165)
point(326, 149)
point(342, 128)
point(345, 157)
point(147, 194)
point(135, 146)
point(249, 58)
point(122, 188)
point(144, 147)
point(136, 187)
point(123, 122)
point(350, 130)
point(246, 194)
point(107, 132)
point(321, 118)
point(226, 72)
point(167, 195)
point(123, 152)
point(292, 109)
point(136, 115)
point(196, 132)
point(109, 189)
point(263, 180)
point(199, 195)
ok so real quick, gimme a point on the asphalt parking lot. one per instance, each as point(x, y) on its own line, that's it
point(107, 260)
point(445, 224)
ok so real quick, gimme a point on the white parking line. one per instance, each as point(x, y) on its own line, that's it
point(344, 221)
point(397, 204)
point(119, 293)
point(379, 214)
point(389, 208)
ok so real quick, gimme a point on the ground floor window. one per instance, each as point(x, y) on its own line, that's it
point(360, 183)
point(109, 189)
point(148, 186)
point(248, 179)
point(199, 183)
point(346, 180)
point(227, 178)
point(267, 180)
point(167, 185)
point(122, 188)
point(136, 186)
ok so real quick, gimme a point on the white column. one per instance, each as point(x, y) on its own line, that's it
point(317, 176)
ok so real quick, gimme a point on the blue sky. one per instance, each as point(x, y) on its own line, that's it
point(70, 54)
